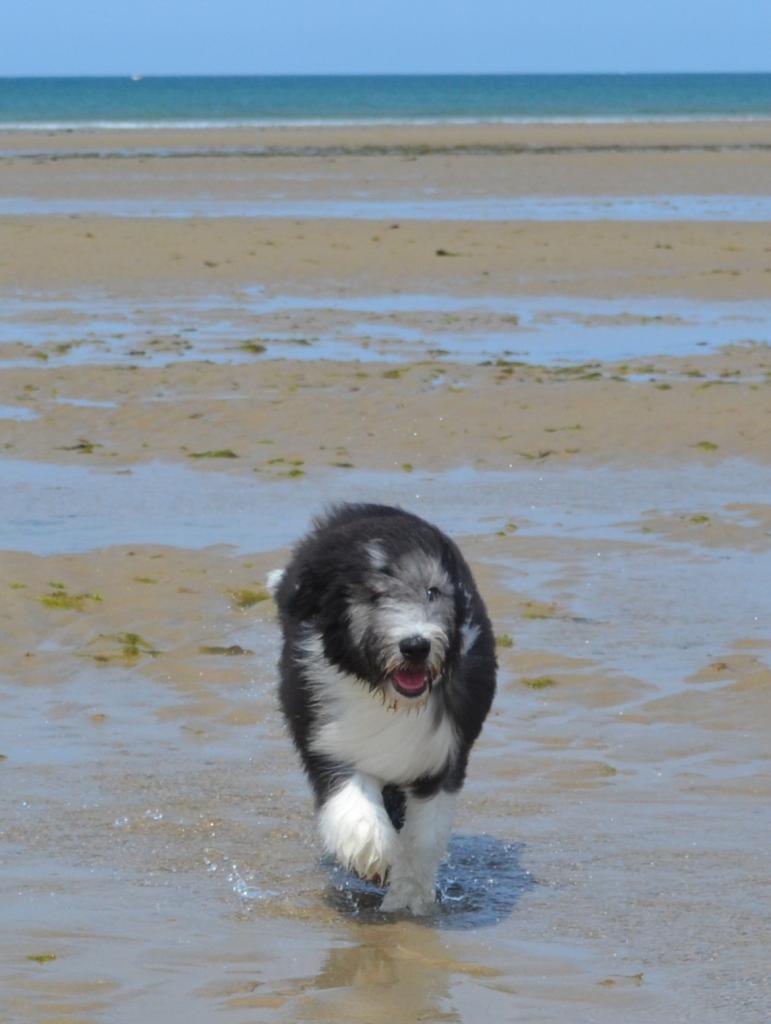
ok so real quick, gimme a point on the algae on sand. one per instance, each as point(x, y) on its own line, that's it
point(108, 648)
point(246, 598)
point(59, 597)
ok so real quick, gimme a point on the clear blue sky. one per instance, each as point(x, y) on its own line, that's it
point(49, 37)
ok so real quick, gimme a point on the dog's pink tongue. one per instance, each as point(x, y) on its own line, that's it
point(410, 680)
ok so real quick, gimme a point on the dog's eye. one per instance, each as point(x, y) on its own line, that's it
point(432, 593)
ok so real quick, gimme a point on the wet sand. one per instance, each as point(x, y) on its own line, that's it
point(584, 405)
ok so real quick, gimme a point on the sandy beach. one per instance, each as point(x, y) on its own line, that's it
point(582, 402)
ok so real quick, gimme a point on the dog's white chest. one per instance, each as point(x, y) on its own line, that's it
point(396, 746)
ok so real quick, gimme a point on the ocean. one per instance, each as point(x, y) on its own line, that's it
point(130, 102)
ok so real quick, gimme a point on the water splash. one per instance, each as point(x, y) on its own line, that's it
point(480, 883)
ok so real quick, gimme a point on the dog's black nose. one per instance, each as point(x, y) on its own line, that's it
point(415, 647)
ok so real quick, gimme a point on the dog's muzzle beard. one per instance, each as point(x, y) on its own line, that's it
point(412, 669)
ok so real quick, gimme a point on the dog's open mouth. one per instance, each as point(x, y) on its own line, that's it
point(411, 682)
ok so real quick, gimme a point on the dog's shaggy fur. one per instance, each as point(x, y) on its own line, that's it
point(387, 674)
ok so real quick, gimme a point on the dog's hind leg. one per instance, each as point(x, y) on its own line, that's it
point(355, 827)
point(422, 844)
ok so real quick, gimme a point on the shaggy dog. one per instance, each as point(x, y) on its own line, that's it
point(387, 674)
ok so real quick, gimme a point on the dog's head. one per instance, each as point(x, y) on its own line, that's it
point(389, 598)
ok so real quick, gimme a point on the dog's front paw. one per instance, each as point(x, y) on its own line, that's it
point(356, 829)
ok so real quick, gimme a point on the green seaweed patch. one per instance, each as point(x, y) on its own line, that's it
point(145, 579)
point(534, 456)
point(706, 446)
point(81, 445)
point(557, 430)
point(246, 598)
point(574, 369)
point(342, 465)
point(254, 347)
point(129, 647)
point(504, 640)
point(393, 374)
point(539, 610)
point(214, 453)
point(699, 520)
point(294, 473)
point(17, 586)
point(509, 364)
point(59, 597)
point(507, 530)
point(634, 979)
point(233, 651)
point(407, 467)
point(41, 958)
point(539, 682)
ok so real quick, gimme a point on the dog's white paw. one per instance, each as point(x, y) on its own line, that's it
point(356, 829)
point(413, 894)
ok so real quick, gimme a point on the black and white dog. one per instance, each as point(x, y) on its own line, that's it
point(387, 674)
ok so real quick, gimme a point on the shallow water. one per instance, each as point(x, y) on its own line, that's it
point(101, 330)
point(737, 208)
point(17, 412)
point(79, 509)
point(589, 543)
point(609, 853)
point(610, 850)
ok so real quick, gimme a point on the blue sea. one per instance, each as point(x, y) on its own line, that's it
point(137, 101)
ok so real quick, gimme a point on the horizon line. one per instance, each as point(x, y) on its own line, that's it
point(369, 74)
